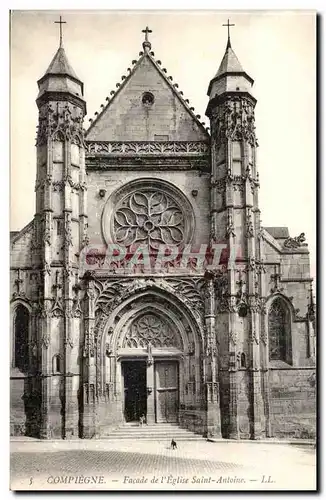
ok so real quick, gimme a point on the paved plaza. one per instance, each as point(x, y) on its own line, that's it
point(149, 465)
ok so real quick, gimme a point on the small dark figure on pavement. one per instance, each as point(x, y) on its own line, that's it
point(173, 444)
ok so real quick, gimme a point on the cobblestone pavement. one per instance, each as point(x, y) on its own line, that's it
point(104, 464)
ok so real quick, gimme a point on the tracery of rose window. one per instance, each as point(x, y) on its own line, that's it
point(150, 217)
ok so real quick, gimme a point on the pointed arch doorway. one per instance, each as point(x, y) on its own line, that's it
point(150, 331)
point(150, 355)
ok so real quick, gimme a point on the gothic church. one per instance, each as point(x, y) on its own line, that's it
point(225, 353)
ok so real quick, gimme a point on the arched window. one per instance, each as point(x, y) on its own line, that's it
point(21, 327)
point(243, 360)
point(279, 331)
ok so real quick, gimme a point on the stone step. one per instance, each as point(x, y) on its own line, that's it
point(161, 434)
point(193, 437)
point(152, 432)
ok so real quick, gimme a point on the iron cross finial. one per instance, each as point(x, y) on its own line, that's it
point(146, 31)
point(60, 23)
point(228, 25)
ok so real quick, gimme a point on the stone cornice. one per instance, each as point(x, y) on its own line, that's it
point(148, 162)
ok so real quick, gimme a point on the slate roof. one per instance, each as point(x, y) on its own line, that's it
point(230, 63)
point(278, 232)
point(60, 65)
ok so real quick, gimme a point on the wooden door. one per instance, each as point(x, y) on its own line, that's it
point(135, 392)
point(166, 388)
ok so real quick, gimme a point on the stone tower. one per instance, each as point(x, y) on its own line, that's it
point(235, 220)
point(60, 227)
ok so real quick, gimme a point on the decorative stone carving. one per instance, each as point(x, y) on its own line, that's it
point(18, 282)
point(191, 348)
point(261, 268)
point(251, 264)
point(233, 337)
point(57, 308)
point(45, 340)
point(275, 278)
point(150, 217)
point(108, 349)
point(69, 342)
point(230, 230)
point(263, 336)
point(235, 120)
point(254, 304)
point(47, 229)
point(77, 311)
point(192, 291)
point(89, 347)
point(151, 329)
point(219, 185)
point(294, 242)
point(249, 226)
point(222, 295)
point(63, 123)
point(253, 337)
point(136, 148)
point(113, 292)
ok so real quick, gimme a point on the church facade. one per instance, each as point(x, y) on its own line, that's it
point(145, 285)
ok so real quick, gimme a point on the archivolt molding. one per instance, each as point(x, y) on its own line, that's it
point(112, 296)
point(111, 329)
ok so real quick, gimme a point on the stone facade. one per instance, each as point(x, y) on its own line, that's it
point(228, 352)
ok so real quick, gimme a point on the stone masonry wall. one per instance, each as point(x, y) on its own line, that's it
point(292, 403)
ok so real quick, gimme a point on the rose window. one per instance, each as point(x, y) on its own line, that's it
point(149, 217)
point(151, 329)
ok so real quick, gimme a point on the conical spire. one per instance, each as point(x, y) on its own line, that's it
point(230, 76)
point(60, 65)
point(230, 63)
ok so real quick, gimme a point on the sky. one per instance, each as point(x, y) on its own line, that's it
point(277, 49)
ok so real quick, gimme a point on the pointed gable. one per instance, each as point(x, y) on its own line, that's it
point(147, 107)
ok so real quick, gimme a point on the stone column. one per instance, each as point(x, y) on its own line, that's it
point(45, 342)
point(150, 383)
point(233, 431)
point(89, 371)
point(212, 385)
